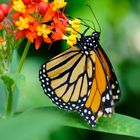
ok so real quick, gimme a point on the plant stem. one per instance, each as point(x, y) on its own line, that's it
point(23, 57)
point(10, 102)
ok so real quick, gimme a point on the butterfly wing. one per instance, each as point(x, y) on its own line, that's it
point(104, 91)
point(75, 81)
point(111, 74)
point(67, 78)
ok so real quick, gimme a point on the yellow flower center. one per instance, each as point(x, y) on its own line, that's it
point(73, 29)
point(45, 1)
point(75, 24)
point(23, 23)
point(58, 4)
point(19, 6)
point(71, 40)
point(43, 30)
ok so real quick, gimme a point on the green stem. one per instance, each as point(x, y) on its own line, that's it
point(10, 102)
point(23, 57)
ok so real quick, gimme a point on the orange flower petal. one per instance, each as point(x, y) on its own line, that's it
point(31, 18)
point(30, 35)
point(19, 34)
point(61, 17)
point(15, 15)
point(1, 40)
point(61, 26)
point(31, 8)
point(47, 40)
point(48, 15)
point(1, 26)
point(38, 43)
point(34, 26)
point(57, 36)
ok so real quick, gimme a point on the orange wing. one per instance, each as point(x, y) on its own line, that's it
point(101, 98)
point(114, 84)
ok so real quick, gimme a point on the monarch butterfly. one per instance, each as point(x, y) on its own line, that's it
point(82, 79)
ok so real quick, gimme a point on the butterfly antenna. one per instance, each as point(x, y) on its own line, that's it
point(94, 17)
point(82, 23)
point(85, 24)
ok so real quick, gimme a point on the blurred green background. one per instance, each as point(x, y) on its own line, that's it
point(120, 38)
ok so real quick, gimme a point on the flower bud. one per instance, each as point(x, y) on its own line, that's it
point(26, 1)
point(42, 8)
point(5, 8)
point(36, 1)
point(1, 15)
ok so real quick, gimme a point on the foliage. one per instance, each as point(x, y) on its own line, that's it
point(42, 121)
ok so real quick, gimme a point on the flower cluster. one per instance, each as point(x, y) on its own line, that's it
point(40, 20)
point(37, 20)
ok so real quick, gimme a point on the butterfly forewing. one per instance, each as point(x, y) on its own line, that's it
point(67, 79)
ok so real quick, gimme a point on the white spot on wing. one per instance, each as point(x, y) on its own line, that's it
point(84, 99)
point(100, 113)
point(118, 91)
point(103, 99)
point(85, 110)
point(107, 96)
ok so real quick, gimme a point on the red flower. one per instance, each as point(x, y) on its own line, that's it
point(42, 8)
point(1, 15)
point(5, 8)
point(26, 2)
point(59, 25)
point(36, 1)
point(1, 26)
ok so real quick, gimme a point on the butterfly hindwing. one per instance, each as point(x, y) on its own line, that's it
point(100, 99)
point(111, 74)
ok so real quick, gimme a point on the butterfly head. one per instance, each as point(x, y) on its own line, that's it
point(96, 35)
point(89, 42)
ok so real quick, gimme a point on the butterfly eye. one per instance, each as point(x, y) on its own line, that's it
point(96, 34)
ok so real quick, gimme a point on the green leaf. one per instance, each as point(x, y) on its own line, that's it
point(30, 125)
point(13, 78)
point(8, 81)
point(42, 121)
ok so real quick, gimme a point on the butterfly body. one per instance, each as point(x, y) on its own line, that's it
point(82, 79)
point(88, 43)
